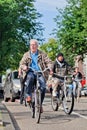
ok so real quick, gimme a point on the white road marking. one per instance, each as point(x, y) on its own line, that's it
point(75, 113)
point(85, 117)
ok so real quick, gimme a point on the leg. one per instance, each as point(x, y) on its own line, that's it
point(29, 82)
point(55, 83)
point(79, 90)
point(74, 88)
point(43, 87)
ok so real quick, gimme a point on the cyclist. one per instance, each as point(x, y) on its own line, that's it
point(77, 76)
point(61, 68)
point(38, 60)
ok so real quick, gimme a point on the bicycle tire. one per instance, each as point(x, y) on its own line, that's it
point(38, 105)
point(54, 103)
point(32, 109)
point(68, 101)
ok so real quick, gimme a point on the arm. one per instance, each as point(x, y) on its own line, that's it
point(19, 72)
point(25, 61)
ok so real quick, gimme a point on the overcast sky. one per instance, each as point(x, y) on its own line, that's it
point(48, 9)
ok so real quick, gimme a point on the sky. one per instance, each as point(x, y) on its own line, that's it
point(48, 9)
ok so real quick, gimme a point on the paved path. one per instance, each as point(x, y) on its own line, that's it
point(5, 119)
point(50, 120)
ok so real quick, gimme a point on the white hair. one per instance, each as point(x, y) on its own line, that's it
point(34, 40)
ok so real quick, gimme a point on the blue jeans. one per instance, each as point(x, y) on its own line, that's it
point(30, 82)
point(76, 86)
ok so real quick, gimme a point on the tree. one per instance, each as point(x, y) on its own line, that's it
point(18, 23)
point(72, 27)
point(52, 48)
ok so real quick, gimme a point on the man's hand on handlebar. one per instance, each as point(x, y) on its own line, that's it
point(25, 68)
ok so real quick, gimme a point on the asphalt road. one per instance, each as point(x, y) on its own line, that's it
point(50, 120)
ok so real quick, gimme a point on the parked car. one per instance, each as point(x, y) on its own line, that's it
point(84, 91)
point(12, 86)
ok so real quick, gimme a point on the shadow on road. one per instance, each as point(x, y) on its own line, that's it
point(56, 118)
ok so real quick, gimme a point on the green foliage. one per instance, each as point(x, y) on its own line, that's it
point(52, 48)
point(72, 28)
point(18, 24)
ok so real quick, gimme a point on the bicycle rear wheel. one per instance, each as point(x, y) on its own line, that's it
point(68, 101)
point(38, 105)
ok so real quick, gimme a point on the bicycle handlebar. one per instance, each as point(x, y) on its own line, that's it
point(62, 77)
point(40, 71)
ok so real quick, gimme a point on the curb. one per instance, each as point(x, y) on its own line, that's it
point(5, 119)
point(1, 122)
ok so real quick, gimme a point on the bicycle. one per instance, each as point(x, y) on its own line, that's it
point(64, 95)
point(35, 104)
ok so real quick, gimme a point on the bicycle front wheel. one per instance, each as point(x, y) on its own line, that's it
point(68, 101)
point(38, 105)
point(54, 103)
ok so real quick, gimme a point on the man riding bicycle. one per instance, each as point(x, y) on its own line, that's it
point(37, 60)
point(61, 68)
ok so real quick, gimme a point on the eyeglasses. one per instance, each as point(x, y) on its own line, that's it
point(33, 44)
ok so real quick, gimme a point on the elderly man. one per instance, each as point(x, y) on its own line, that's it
point(38, 60)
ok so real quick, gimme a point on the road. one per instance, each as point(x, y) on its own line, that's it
point(50, 120)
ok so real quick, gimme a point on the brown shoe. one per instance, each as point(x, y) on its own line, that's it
point(28, 99)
